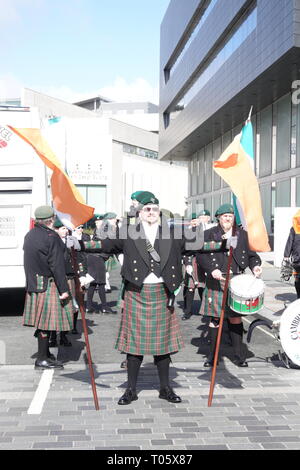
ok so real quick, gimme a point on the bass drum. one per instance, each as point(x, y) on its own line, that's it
point(289, 331)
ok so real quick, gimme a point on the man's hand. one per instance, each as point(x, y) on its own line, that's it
point(257, 270)
point(64, 295)
point(217, 274)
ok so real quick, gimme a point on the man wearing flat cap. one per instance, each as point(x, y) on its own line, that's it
point(152, 272)
point(48, 305)
point(215, 266)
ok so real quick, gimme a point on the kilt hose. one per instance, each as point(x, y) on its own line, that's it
point(45, 311)
point(147, 325)
point(212, 300)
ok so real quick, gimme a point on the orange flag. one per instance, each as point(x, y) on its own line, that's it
point(67, 201)
point(235, 168)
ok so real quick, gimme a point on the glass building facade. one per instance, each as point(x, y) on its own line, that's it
point(218, 59)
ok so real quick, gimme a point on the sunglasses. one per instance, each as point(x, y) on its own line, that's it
point(80, 226)
point(149, 209)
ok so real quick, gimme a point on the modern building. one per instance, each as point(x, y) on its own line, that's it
point(139, 114)
point(106, 158)
point(219, 58)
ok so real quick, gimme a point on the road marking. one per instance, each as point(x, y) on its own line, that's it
point(41, 393)
point(260, 328)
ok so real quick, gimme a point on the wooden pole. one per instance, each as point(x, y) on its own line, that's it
point(224, 298)
point(79, 295)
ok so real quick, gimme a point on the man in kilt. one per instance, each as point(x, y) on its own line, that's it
point(48, 304)
point(152, 271)
point(215, 266)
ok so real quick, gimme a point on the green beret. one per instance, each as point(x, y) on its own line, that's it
point(143, 195)
point(148, 198)
point(204, 212)
point(225, 209)
point(110, 215)
point(44, 212)
point(58, 223)
point(135, 194)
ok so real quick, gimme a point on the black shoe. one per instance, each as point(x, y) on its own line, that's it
point(107, 310)
point(64, 341)
point(240, 362)
point(208, 363)
point(74, 331)
point(186, 316)
point(167, 393)
point(51, 356)
point(129, 396)
point(123, 364)
point(89, 310)
point(53, 343)
point(48, 364)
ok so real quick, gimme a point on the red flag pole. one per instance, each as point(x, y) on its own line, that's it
point(79, 295)
point(224, 298)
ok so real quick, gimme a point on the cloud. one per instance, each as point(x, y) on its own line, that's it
point(138, 90)
point(10, 87)
point(120, 90)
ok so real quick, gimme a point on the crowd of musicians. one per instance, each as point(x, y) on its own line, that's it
point(156, 259)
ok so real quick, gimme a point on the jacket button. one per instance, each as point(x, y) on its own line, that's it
point(134, 260)
point(173, 267)
point(136, 278)
point(135, 269)
point(174, 285)
point(173, 275)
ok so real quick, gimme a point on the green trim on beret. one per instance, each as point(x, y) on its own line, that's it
point(204, 212)
point(110, 215)
point(135, 194)
point(44, 212)
point(224, 209)
point(57, 223)
point(143, 196)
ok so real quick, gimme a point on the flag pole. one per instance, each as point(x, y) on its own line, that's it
point(85, 330)
point(217, 349)
point(249, 115)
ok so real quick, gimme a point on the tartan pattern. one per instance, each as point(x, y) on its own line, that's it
point(147, 326)
point(93, 244)
point(45, 311)
point(212, 300)
point(111, 263)
point(211, 246)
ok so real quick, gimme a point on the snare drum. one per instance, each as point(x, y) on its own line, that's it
point(289, 332)
point(246, 294)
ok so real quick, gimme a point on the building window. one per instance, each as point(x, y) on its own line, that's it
point(265, 139)
point(198, 22)
point(94, 196)
point(283, 193)
point(235, 38)
point(283, 134)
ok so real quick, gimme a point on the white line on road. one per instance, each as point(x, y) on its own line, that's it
point(41, 393)
point(261, 329)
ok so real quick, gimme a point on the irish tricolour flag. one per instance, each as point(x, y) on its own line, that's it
point(236, 167)
point(68, 203)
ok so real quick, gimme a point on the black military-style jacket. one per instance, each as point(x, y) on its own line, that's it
point(242, 256)
point(44, 259)
point(138, 263)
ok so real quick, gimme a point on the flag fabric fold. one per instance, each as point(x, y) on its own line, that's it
point(235, 166)
point(68, 203)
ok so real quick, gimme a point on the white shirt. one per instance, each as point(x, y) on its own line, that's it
point(150, 232)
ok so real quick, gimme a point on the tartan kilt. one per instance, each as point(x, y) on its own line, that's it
point(45, 311)
point(147, 325)
point(212, 300)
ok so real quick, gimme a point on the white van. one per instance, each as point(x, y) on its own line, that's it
point(23, 187)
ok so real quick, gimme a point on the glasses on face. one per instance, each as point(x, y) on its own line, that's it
point(149, 209)
point(80, 226)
